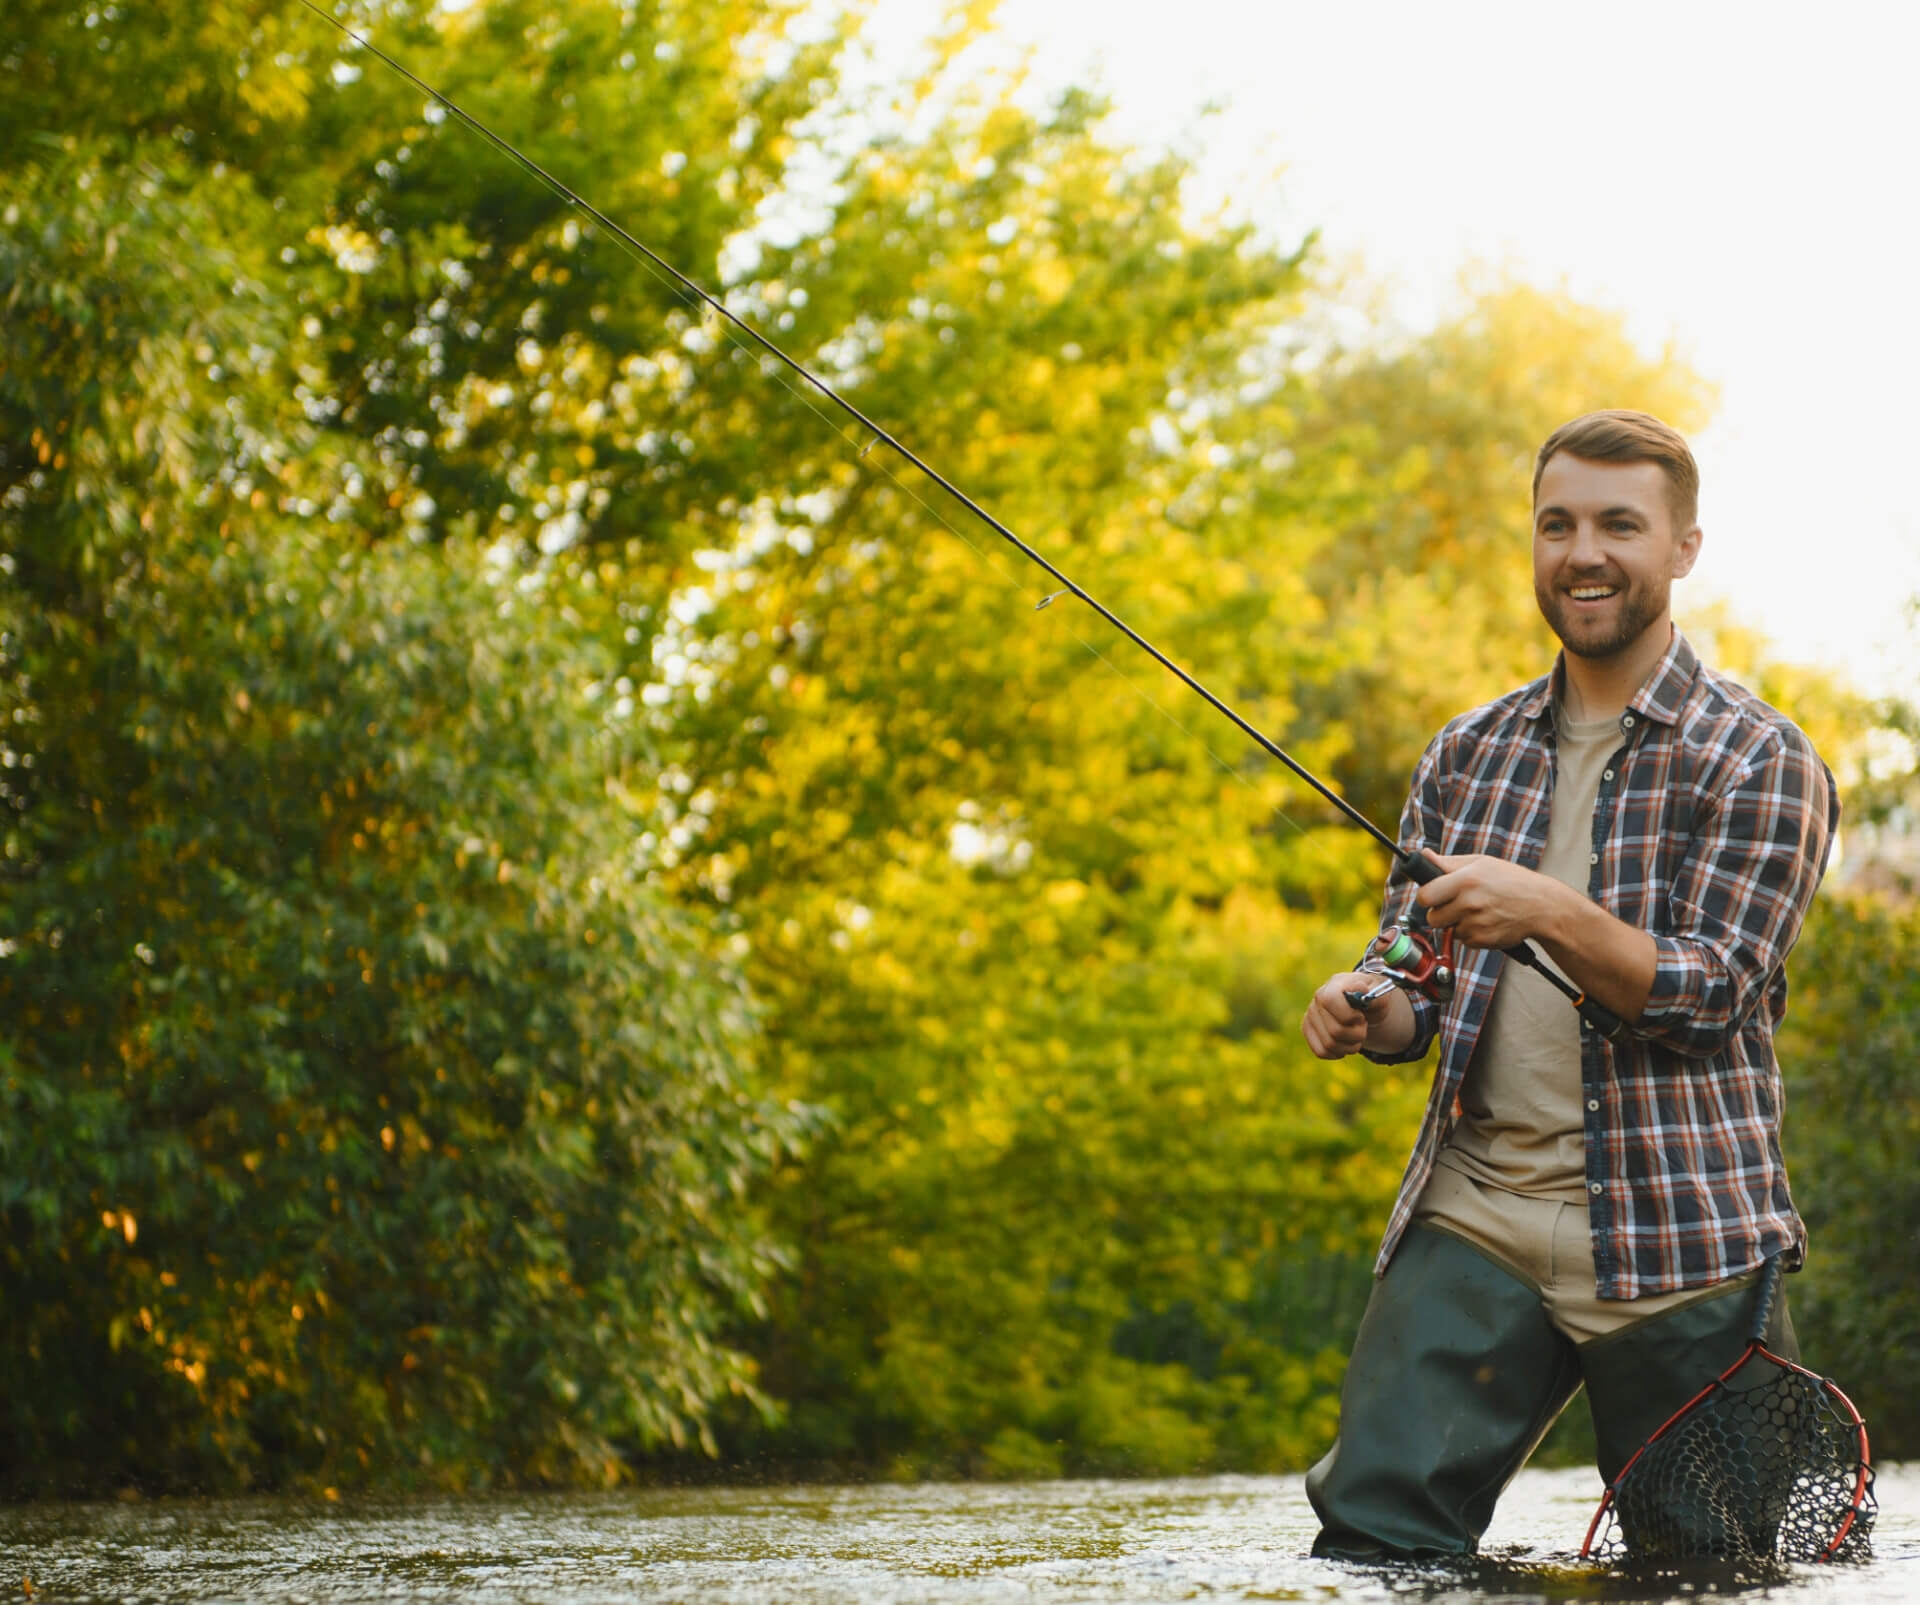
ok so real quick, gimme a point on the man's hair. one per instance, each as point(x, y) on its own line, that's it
point(1618, 436)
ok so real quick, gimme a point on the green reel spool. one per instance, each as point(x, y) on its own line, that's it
point(1401, 951)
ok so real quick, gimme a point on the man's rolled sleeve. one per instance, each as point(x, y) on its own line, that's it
point(1750, 872)
point(1426, 1025)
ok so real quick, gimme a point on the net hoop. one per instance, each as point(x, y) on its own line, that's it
point(1755, 1349)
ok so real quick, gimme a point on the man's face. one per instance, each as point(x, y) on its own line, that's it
point(1605, 553)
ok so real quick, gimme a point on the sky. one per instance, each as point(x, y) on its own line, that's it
point(1739, 180)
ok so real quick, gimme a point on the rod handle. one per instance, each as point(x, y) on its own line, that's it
point(1422, 868)
point(1595, 1013)
point(1601, 1018)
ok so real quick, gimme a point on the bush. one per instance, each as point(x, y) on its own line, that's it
point(364, 1112)
point(1853, 1059)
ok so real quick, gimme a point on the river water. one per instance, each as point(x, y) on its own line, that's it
point(1220, 1538)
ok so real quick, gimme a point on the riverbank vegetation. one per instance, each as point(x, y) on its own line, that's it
point(564, 912)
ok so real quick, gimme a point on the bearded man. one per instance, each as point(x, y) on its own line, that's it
point(1579, 1210)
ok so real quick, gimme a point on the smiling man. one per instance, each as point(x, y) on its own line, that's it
point(1578, 1210)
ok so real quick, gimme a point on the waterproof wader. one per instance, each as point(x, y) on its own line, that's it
point(1456, 1375)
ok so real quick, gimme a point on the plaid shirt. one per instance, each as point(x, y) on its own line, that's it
point(1711, 833)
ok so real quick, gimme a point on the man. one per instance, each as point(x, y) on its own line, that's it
point(1578, 1210)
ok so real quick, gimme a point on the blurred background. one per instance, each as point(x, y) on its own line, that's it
point(564, 920)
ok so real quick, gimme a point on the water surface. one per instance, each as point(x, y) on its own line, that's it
point(1225, 1538)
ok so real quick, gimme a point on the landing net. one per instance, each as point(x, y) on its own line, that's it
point(1770, 1463)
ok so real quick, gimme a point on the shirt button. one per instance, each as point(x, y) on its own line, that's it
point(1593, 858)
point(1627, 722)
point(1608, 775)
point(1594, 1188)
point(1593, 1103)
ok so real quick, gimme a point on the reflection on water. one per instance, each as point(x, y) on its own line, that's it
point(1224, 1537)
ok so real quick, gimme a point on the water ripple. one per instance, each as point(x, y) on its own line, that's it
point(1225, 1538)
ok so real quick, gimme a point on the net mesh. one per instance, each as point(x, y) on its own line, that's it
point(1768, 1466)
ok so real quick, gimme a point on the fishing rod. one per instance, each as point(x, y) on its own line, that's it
point(1405, 954)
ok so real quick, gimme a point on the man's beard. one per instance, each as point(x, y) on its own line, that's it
point(1638, 609)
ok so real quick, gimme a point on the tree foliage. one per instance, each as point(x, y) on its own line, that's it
point(1854, 1094)
point(368, 1113)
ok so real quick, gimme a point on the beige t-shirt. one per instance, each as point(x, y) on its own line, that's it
point(1521, 1126)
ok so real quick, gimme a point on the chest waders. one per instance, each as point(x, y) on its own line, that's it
point(1455, 1377)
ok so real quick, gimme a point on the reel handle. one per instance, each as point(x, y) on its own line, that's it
point(1360, 1000)
point(1422, 869)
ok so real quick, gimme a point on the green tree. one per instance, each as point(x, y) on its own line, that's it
point(1854, 1047)
point(1852, 1053)
point(366, 1112)
point(1426, 447)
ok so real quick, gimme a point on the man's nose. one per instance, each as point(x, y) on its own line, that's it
point(1585, 551)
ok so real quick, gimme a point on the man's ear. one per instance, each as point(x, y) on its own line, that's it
point(1686, 552)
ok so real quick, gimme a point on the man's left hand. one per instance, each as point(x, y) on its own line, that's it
point(1491, 903)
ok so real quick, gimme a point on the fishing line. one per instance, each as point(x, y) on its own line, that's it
point(691, 287)
point(1415, 861)
point(991, 561)
point(995, 567)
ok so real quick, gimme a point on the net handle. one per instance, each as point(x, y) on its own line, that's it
point(1763, 1305)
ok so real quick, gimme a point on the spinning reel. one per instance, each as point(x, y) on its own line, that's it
point(1408, 956)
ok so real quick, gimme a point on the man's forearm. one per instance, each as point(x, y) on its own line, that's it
point(1608, 959)
point(1391, 1028)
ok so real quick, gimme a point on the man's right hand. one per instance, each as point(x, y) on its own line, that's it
point(1334, 1028)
